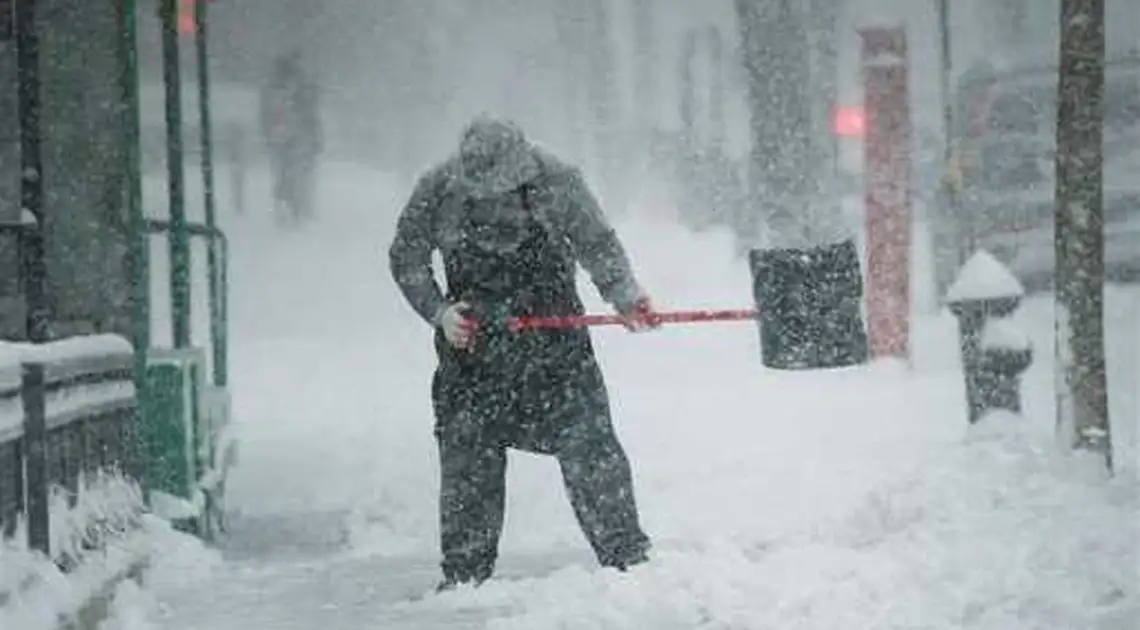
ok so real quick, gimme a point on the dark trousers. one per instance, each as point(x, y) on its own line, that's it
point(479, 419)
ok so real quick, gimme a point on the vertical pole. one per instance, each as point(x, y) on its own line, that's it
point(1082, 395)
point(217, 325)
point(7, 25)
point(138, 245)
point(887, 168)
point(35, 452)
point(33, 235)
point(952, 242)
point(945, 74)
point(179, 235)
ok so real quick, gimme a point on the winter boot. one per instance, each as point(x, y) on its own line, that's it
point(472, 576)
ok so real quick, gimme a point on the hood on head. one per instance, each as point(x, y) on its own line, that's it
point(495, 157)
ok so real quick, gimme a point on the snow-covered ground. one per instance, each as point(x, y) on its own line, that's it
point(103, 536)
point(849, 498)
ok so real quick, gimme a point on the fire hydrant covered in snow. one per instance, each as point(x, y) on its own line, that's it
point(995, 350)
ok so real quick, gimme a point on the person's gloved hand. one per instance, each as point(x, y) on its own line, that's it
point(458, 328)
point(641, 315)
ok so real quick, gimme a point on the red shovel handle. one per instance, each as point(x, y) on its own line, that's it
point(523, 324)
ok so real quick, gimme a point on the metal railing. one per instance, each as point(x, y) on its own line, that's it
point(218, 282)
point(68, 412)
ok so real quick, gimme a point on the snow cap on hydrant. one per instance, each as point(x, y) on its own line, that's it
point(984, 277)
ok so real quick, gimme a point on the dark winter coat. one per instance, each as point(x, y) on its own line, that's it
point(561, 204)
point(512, 248)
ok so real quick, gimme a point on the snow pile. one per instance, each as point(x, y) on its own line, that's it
point(130, 608)
point(106, 506)
point(35, 594)
point(998, 533)
point(32, 589)
point(96, 539)
point(177, 561)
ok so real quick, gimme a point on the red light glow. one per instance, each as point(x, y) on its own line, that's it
point(187, 25)
point(849, 122)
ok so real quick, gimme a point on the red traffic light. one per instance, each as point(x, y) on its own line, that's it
point(849, 121)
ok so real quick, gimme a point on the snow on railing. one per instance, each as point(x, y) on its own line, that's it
point(67, 470)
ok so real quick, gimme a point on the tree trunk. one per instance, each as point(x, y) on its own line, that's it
point(1082, 397)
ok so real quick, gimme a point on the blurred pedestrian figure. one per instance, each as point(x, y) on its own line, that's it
point(291, 128)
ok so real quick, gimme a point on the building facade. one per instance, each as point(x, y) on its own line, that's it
point(85, 176)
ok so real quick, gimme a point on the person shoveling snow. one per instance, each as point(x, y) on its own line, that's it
point(512, 222)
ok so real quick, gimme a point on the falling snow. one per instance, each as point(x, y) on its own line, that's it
point(856, 497)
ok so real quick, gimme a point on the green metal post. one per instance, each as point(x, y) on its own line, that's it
point(138, 250)
point(217, 323)
point(179, 235)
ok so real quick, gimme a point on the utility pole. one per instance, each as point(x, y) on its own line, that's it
point(1082, 392)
